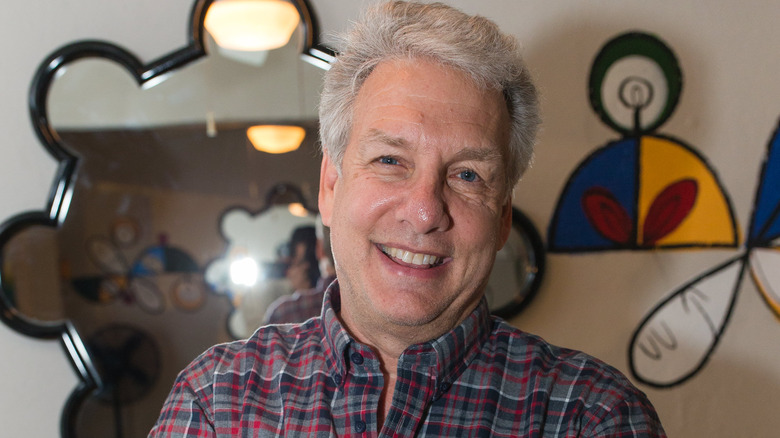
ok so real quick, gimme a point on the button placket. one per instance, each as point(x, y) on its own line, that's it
point(441, 390)
point(356, 358)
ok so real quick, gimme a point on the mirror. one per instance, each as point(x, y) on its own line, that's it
point(166, 231)
point(154, 169)
point(518, 269)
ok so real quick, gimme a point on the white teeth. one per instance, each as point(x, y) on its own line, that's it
point(410, 257)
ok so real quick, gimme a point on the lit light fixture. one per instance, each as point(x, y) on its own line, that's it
point(244, 272)
point(297, 209)
point(276, 139)
point(251, 25)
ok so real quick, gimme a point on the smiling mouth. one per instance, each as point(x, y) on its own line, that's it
point(408, 257)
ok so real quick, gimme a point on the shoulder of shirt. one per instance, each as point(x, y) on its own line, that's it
point(258, 353)
point(551, 360)
point(570, 376)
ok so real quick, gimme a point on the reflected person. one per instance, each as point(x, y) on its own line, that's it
point(428, 118)
point(307, 303)
point(295, 268)
point(303, 266)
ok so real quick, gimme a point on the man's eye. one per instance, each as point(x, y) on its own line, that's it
point(468, 175)
point(388, 160)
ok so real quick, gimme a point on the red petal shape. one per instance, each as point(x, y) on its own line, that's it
point(606, 215)
point(669, 209)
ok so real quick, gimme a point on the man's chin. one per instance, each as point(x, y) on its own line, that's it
point(419, 318)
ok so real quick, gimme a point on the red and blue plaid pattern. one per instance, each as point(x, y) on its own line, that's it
point(299, 306)
point(485, 378)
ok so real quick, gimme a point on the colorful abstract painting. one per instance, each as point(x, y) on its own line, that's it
point(678, 336)
point(650, 191)
point(645, 190)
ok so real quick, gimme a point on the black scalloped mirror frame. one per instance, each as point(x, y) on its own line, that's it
point(56, 208)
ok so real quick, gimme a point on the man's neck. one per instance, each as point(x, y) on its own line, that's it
point(389, 349)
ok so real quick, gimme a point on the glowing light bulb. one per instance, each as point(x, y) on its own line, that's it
point(276, 139)
point(251, 25)
point(244, 272)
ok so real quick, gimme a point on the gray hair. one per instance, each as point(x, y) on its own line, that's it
point(472, 44)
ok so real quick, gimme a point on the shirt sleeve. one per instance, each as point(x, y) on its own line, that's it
point(632, 417)
point(185, 413)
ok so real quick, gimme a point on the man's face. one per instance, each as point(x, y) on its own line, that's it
point(419, 208)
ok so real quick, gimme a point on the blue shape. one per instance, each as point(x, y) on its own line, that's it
point(154, 254)
point(765, 225)
point(164, 259)
point(614, 167)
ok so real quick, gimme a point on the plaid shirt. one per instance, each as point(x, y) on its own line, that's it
point(299, 306)
point(484, 378)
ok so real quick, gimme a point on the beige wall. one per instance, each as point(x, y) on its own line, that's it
point(729, 107)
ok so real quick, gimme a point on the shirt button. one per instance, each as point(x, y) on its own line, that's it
point(443, 387)
point(357, 358)
point(337, 378)
point(360, 426)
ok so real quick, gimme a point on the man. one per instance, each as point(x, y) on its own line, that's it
point(295, 269)
point(428, 118)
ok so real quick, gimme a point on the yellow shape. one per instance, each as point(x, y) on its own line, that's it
point(763, 262)
point(663, 162)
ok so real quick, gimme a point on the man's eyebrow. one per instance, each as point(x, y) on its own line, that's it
point(490, 153)
point(480, 154)
point(377, 136)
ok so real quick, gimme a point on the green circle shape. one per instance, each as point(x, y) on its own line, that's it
point(630, 44)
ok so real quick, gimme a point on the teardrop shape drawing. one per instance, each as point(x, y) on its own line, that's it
point(669, 209)
point(147, 295)
point(607, 216)
point(765, 223)
point(676, 338)
point(765, 271)
point(106, 256)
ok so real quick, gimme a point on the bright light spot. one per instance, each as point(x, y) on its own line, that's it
point(244, 272)
point(297, 209)
point(151, 83)
point(276, 139)
point(251, 24)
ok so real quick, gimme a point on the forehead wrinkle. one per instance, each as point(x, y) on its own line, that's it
point(466, 110)
point(378, 136)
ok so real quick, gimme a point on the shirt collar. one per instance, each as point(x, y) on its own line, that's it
point(447, 356)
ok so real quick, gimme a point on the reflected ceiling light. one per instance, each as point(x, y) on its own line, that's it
point(251, 25)
point(276, 139)
point(244, 272)
point(297, 209)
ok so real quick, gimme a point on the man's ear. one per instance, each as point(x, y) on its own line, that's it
point(506, 223)
point(329, 175)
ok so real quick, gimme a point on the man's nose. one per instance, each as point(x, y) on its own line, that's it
point(423, 206)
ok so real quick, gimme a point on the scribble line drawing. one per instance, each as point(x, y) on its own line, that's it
point(760, 251)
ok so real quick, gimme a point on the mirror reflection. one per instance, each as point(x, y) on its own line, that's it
point(168, 185)
point(269, 256)
point(518, 269)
